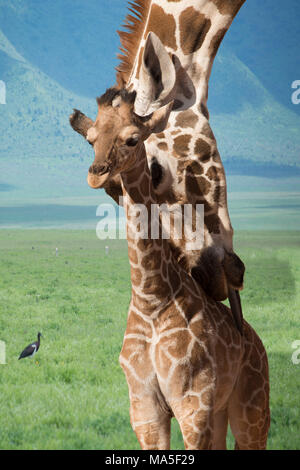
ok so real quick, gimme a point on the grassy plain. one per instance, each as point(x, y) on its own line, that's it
point(73, 394)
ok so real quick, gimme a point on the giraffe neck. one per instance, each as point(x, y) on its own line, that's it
point(192, 31)
point(155, 275)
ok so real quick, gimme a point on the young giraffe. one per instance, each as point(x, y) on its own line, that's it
point(184, 160)
point(182, 354)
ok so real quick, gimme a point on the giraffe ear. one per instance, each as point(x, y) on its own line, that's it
point(80, 123)
point(159, 119)
point(156, 79)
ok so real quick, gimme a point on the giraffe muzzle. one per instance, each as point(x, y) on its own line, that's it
point(98, 175)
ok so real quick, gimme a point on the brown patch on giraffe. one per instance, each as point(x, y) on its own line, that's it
point(206, 130)
point(179, 382)
point(174, 278)
point(214, 173)
point(186, 119)
point(155, 286)
point(212, 223)
point(194, 168)
point(216, 41)
point(140, 303)
point(198, 327)
point(132, 255)
point(146, 244)
point(183, 81)
point(175, 132)
point(135, 195)
point(144, 185)
point(196, 185)
point(136, 325)
point(181, 145)
point(161, 135)
point(163, 25)
point(136, 276)
point(221, 358)
point(152, 261)
point(163, 146)
point(163, 363)
point(193, 29)
point(220, 195)
point(190, 402)
point(195, 72)
point(177, 343)
point(229, 7)
point(216, 156)
point(203, 150)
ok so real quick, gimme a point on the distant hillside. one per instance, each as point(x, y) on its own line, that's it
point(41, 155)
point(34, 122)
point(73, 42)
point(248, 122)
point(266, 36)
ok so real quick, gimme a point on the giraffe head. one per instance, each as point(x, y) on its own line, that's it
point(127, 118)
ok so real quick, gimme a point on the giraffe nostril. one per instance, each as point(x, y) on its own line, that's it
point(98, 169)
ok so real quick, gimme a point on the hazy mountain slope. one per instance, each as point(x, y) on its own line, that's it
point(34, 122)
point(251, 125)
point(40, 155)
point(76, 43)
point(248, 122)
point(266, 36)
point(73, 41)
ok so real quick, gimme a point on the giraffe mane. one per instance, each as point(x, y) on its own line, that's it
point(130, 39)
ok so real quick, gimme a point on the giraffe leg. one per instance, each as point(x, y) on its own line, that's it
point(151, 424)
point(220, 430)
point(196, 426)
point(249, 414)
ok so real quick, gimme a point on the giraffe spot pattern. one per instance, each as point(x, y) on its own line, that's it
point(193, 29)
point(163, 25)
point(212, 223)
point(228, 7)
point(162, 146)
point(216, 41)
point(202, 150)
point(186, 119)
point(197, 185)
point(206, 130)
point(181, 145)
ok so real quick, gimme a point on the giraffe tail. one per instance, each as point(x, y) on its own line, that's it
point(236, 308)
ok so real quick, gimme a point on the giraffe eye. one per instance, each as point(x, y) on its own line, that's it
point(132, 141)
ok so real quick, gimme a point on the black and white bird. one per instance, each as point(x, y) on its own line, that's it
point(31, 349)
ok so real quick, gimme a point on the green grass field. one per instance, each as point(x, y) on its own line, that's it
point(73, 394)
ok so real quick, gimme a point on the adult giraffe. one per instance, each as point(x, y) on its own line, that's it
point(184, 160)
point(182, 354)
